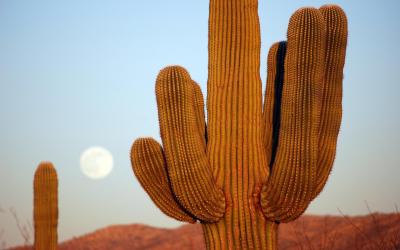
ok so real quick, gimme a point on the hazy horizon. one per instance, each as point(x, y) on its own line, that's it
point(80, 74)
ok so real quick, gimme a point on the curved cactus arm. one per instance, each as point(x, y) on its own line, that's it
point(188, 167)
point(292, 180)
point(149, 166)
point(331, 113)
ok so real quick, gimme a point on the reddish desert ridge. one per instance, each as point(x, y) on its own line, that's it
point(369, 232)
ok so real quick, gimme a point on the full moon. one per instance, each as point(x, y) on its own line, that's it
point(96, 162)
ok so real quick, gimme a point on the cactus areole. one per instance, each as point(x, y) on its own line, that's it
point(252, 166)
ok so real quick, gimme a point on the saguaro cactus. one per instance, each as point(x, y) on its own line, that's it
point(45, 207)
point(250, 168)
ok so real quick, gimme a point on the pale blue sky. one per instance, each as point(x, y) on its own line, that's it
point(74, 74)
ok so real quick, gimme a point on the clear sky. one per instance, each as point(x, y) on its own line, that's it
point(75, 74)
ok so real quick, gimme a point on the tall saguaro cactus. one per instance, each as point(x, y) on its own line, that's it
point(251, 167)
point(45, 207)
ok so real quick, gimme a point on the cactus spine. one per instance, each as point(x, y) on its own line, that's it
point(45, 207)
point(251, 167)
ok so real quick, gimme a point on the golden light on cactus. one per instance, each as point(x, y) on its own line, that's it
point(254, 166)
point(45, 207)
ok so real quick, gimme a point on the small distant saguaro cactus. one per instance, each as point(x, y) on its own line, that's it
point(252, 166)
point(45, 207)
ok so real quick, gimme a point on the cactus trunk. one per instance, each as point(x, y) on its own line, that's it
point(260, 234)
point(235, 148)
point(45, 207)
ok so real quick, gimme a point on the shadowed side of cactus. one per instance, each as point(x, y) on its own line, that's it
point(252, 166)
point(45, 207)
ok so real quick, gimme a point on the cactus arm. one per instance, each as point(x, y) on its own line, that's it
point(188, 168)
point(292, 180)
point(45, 207)
point(149, 166)
point(331, 113)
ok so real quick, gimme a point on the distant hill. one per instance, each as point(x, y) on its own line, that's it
point(370, 232)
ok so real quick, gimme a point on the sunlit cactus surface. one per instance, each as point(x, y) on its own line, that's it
point(252, 165)
point(45, 213)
